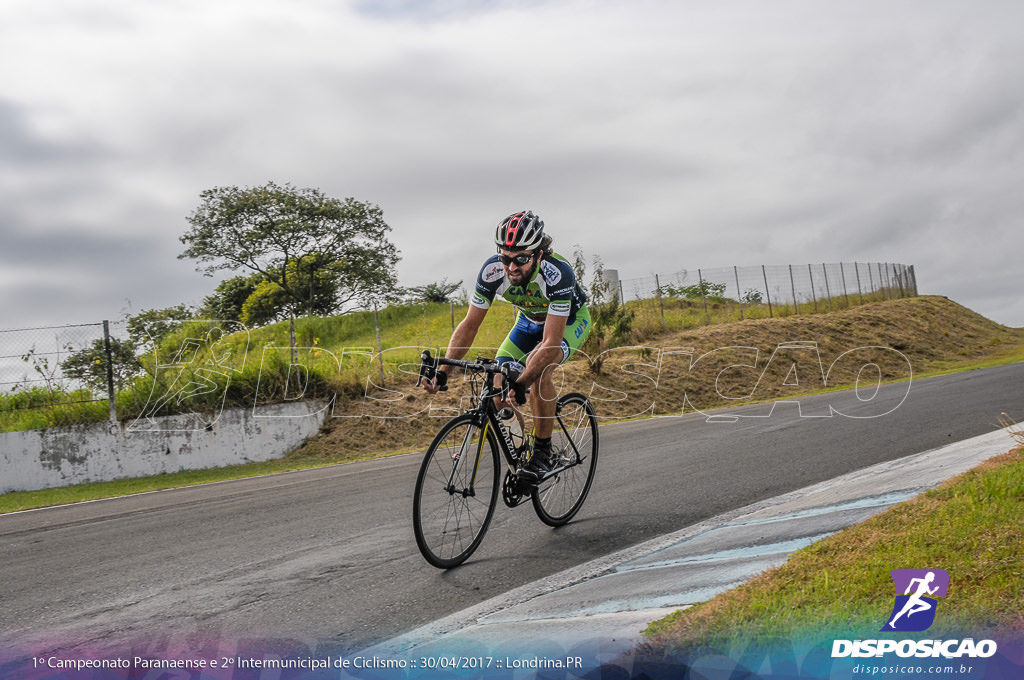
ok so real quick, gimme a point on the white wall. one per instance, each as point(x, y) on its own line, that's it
point(61, 456)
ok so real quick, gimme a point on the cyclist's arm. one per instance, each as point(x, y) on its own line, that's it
point(548, 352)
point(465, 334)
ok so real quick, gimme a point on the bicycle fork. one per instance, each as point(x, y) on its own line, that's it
point(457, 462)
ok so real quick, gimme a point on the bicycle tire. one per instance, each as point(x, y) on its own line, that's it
point(448, 520)
point(558, 498)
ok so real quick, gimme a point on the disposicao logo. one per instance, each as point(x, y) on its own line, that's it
point(914, 610)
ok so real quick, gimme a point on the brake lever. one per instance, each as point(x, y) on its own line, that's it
point(428, 369)
point(506, 384)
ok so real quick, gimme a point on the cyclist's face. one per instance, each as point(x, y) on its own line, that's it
point(518, 274)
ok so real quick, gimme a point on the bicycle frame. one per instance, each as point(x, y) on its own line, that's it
point(453, 504)
point(487, 417)
point(486, 413)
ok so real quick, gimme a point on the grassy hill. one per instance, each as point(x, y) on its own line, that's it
point(921, 336)
point(929, 335)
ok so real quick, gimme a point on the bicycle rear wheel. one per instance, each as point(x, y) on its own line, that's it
point(456, 491)
point(574, 444)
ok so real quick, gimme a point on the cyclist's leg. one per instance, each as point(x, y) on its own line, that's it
point(520, 341)
point(543, 398)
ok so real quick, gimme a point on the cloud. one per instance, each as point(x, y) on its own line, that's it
point(661, 136)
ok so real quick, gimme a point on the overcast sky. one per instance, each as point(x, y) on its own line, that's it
point(658, 135)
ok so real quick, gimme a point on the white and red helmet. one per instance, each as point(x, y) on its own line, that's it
point(520, 231)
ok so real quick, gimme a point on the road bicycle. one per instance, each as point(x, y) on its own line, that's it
point(458, 483)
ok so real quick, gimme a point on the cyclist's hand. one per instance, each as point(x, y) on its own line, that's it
point(519, 390)
point(436, 384)
point(515, 387)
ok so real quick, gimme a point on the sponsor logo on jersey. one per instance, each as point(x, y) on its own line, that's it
point(560, 308)
point(493, 273)
point(550, 272)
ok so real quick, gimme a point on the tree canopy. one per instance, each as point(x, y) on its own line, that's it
point(438, 291)
point(89, 365)
point(317, 253)
point(227, 301)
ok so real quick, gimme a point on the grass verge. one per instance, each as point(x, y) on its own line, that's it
point(971, 526)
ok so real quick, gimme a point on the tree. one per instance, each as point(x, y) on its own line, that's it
point(439, 291)
point(752, 296)
point(611, 324)
point(705, 289)
point(147, 328)
point(599, 285)
point(294, 238)
point(90, 364)
point(227, 301)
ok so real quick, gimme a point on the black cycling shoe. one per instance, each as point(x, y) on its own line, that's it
point(539, 463)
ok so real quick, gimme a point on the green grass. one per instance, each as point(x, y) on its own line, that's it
point(342, 353)
point(412, 326)
point(350, 340)
point(672, 313)
point(972, 526)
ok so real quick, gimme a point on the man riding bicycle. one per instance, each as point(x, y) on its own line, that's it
point(552, 321)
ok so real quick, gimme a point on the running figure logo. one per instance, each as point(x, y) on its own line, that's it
point(915, 610)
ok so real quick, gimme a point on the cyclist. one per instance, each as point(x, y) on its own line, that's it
point(552, 321)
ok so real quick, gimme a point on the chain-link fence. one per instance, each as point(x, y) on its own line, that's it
point(53, 375)
point(692, 297)
point(83, 373)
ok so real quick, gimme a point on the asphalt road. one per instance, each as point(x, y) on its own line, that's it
point(327, 558)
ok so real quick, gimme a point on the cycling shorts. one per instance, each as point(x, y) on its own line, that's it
point(526, 335)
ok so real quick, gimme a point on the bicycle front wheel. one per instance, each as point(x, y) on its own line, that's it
point(456, 491)
point(574, 446)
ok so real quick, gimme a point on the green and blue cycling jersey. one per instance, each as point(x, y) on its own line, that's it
point(552, 291)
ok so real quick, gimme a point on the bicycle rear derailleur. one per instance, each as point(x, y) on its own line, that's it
point(514, 491)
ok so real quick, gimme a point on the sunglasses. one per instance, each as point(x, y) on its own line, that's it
point(520, 259)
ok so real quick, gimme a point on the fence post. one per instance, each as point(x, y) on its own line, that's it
point(380, 351)
point(882, 283)
point(871, 282)
point(766, 293)
point(661, 304)
point(739, 293)
point(913, 280)
point(899, 279)
point(792, 285)
point(707, 317)
point(860, 291)
point(814, 293)
point(111, 396)
point(828, 291)
point(842, 275)
point(622, 296)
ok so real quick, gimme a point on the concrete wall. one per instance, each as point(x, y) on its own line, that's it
point(61, 456)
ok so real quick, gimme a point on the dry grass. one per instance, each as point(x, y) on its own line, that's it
point(928, 334)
